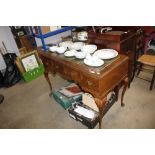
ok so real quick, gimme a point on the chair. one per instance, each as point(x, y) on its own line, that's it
point(147, 63)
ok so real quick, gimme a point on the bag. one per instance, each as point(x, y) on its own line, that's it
point(1, 79)
point(12, 75)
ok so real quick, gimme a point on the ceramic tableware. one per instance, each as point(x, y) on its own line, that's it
point(89, 48)
point(70, 53)
point(61, 50)
point(53, 48)
point(93, 61)
point(106, 53)
point(65, 44)
point(76, 46)
point(82, 36)
point(80, 55)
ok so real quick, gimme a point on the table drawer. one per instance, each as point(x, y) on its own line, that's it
point(89, 83)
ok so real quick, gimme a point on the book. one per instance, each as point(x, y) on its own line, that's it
point(71, 90)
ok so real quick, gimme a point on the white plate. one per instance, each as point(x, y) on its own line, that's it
point(65, 44)
point(106, 53)
point(61, 50)
point(89, 48)
point(70, 53)
point(89, 62)
point(80, 55)
point(76, 46)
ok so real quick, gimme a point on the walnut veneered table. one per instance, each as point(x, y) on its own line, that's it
point(97, 81)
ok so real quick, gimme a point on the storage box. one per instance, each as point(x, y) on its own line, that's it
point(90, 123)
point(36, 71)
point(64, 101)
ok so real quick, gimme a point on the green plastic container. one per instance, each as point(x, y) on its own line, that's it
point(33, 74)
point(64, 101)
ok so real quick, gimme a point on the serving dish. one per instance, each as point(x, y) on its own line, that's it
point(106, 53)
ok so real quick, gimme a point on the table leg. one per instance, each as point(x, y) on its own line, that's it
point(48, 80)
point(100, 104)
point(125, 85)
point(116, 90)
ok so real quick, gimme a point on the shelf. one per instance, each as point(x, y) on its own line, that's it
point(49, 34)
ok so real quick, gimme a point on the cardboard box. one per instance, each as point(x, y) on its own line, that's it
point(90, 123)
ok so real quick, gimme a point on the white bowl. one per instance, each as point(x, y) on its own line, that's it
point(53, 48)
point(80, 55)
point(76, 46)
point(89, 48)
point(65, 44)
point(61, 50)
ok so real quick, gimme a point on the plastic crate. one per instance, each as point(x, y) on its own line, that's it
point(64, 101)
point(33, 74)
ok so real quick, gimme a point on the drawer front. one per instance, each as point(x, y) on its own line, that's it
point(89, 83)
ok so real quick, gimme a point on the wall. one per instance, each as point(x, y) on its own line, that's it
point(7, 37)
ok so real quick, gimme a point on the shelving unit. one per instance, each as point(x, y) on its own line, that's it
point(49, 34)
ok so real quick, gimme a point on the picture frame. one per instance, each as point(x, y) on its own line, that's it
point(30, 61)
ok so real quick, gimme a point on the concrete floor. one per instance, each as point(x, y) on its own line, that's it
point(28, 105)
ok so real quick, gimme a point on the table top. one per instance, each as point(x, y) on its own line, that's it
point(79, 64)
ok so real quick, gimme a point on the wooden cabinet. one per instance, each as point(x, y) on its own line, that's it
point(123, 39)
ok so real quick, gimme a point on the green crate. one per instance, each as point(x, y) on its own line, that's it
point(33, 74)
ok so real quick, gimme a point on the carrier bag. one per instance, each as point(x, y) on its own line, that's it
point(1, 79)
point(11, 75)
